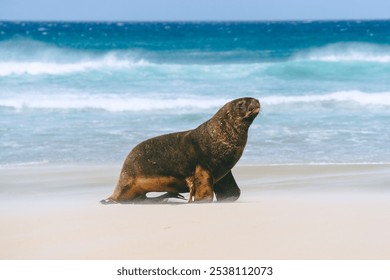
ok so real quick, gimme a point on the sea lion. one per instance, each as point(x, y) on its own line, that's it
point(197, 161)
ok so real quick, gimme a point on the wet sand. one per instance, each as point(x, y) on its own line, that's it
point(285, 212)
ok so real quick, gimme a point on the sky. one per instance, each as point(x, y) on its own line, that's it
point(192, 10)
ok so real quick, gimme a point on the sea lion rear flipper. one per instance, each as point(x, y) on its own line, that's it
point(179, 196)
point(227, 189)
point(163, 197)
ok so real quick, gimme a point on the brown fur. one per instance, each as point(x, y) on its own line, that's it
point(197, 161)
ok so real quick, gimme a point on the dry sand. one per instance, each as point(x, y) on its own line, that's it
point(285, 212)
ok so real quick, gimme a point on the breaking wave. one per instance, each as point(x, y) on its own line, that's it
point(347, 97)
point(108, 103)
point(121, 103)
point(27, 57)
point(347, 52)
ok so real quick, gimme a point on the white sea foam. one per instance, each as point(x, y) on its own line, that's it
point(357, 97)
point(21, 56)
point(108, 103)
point(120, 103)
point(347, 52)
point(109, 61)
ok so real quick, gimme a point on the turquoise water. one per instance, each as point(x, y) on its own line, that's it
point(89, 92)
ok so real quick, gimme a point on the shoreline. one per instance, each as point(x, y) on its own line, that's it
point(285, 212)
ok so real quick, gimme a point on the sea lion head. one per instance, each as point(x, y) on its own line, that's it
point(242, 110)
point(222, 139)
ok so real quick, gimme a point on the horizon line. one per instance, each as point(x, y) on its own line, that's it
point(197, 21)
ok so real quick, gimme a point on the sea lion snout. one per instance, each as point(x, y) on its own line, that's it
point(254, 106)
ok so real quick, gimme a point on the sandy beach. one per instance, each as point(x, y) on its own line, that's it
point(285, 212)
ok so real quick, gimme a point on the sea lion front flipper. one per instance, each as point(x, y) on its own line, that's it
point(227, 189)
point(203, 185)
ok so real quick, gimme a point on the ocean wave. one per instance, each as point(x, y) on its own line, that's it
point(347, 52)
point(61, 62)
point(356, 97)
point(53, 68)
point(122, 103)
point(28, 57)
point(108, 103)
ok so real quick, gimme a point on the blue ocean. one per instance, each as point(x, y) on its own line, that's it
point(88, 92)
